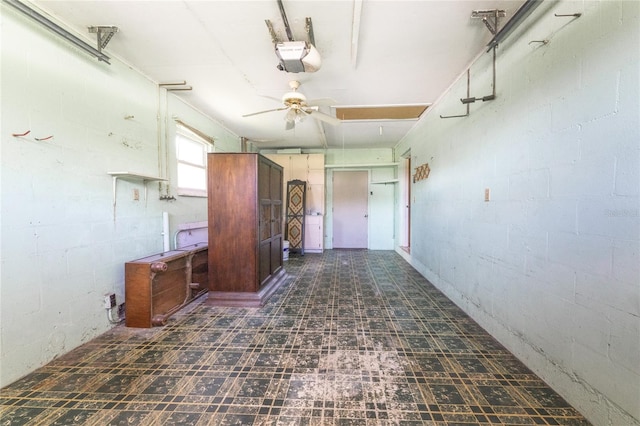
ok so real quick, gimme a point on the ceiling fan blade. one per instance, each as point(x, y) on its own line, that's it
point(322, 102)
point(262, 112)
point(324, 117)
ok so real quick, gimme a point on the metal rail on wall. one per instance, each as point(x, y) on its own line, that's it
point(524, 11)
point(42, 20)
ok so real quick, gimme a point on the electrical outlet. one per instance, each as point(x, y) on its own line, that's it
point(121, 310)
point(109, 301)
point(136, 194)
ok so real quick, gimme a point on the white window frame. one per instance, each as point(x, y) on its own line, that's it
point(185, 135)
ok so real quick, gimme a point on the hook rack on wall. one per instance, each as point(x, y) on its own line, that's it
point(422, 172)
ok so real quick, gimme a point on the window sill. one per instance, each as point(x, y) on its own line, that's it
point(192, 193)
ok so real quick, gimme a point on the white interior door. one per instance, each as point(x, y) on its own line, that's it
point(350, 209)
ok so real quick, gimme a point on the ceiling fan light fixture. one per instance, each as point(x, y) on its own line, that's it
point(293, 117)
point(293, 98)
point(298, 108)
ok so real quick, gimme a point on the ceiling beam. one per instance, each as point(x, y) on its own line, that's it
point(355, 31)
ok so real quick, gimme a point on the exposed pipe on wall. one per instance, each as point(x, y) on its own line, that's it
point(166, 237)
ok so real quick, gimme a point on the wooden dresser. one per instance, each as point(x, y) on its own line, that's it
point(245, 228)
point(159, 285)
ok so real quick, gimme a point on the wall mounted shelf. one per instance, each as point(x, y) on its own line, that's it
point(133, 177)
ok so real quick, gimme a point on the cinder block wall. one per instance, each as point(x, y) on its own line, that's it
point(551, 264)
point(62, 247)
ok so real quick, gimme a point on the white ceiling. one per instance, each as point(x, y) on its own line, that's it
point(408, 52)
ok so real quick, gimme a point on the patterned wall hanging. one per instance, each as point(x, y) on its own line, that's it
point(296, 205)
point(422, 172)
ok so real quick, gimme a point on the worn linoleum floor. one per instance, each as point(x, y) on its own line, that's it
point(351, 338)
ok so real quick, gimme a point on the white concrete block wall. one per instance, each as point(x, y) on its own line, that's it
point(358, 156)
point(551, 264)
point(61, 249)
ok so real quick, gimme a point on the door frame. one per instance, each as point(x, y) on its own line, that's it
point(329, 203)
point(405, 203)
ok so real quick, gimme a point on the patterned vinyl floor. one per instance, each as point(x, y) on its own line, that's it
point(351, 338)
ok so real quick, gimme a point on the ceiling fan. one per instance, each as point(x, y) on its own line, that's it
point(298, 108)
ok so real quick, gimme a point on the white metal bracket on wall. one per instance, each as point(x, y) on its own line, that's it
point(104, 34)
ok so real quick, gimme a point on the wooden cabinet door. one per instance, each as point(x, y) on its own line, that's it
point(276, 203)
point(264, 181)
point(264, 264)
point(276, 184)
point(266, 220)
point(275, 195)
point(313, 234)
point(233, 217)
point(270, 193)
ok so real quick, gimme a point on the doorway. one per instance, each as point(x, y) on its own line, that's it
point(350, 209)
point(406, 203)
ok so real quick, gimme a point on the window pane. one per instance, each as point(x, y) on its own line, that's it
point(190, 151)
point(191, 177)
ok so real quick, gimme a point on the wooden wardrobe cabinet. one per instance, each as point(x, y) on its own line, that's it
point(245, 228)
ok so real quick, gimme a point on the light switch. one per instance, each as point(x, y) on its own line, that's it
point(486, 194)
